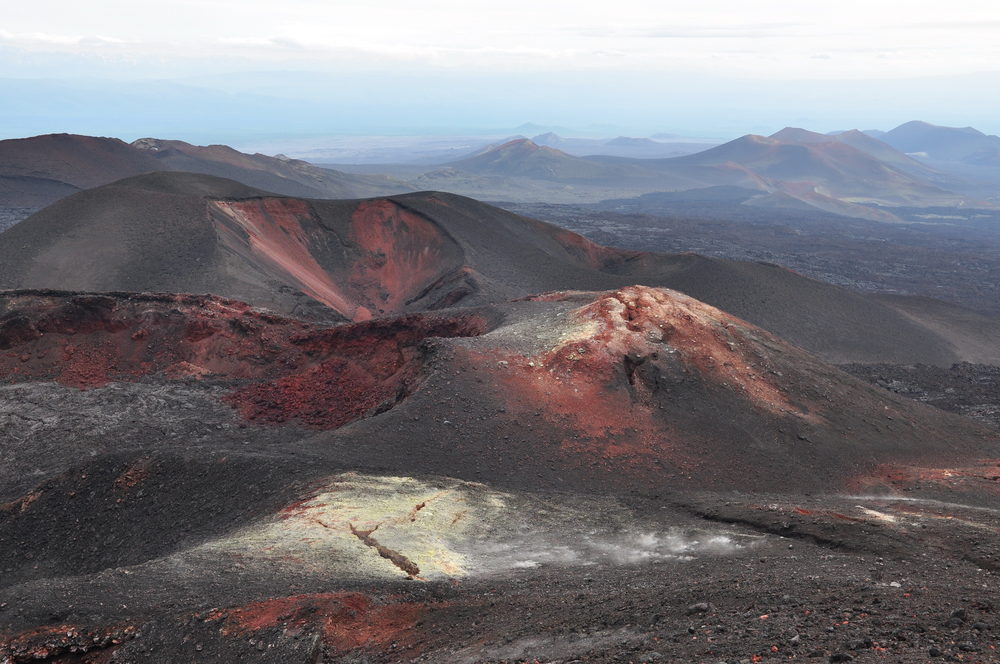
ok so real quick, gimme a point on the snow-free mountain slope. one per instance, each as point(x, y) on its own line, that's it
point(352, 260)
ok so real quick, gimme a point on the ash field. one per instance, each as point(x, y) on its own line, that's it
point(246, 426)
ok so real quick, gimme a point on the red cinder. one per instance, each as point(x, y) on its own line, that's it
point(272, 228)
point(978, 476)
point(591, 387)
point(387, 257)
point(65, 643)
point(346, 621)
point(289, 370)
point(401, 252)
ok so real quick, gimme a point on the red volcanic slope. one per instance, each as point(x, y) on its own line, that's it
point(63, 643)
point(353, 260)
point(341, 622)
point(401, 252)
point(599, 386)
point(345, 621)
point(285, 369)
point(316, 259)
point(272, 233)
point(648, 383)
point(636, 389)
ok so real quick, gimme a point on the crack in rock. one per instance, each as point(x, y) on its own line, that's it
point(395, 557)
point(412, 516)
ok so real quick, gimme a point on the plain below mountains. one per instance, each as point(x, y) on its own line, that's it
point(351, 260)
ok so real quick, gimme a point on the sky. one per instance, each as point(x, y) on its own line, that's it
point(266, 69)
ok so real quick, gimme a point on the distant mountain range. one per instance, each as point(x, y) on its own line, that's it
point(837, 174)
point(850, 173)
point(622, 146)
point(961, 144)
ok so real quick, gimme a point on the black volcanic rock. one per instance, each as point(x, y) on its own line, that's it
point(630, 454)
point(642, 384)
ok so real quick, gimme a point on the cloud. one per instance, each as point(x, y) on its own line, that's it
point(286, 42)
point(769, 41)
point(742, 31)
point(97, 40)
point(987, 25)
point(38, 39)
point(682, 31)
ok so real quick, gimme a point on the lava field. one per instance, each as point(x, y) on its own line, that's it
point(387, 436)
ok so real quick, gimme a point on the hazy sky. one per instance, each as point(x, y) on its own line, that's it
point(667, 66)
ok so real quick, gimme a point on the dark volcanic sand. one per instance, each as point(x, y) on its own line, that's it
point(619, 458)
point(967, 389)
point(785, 600)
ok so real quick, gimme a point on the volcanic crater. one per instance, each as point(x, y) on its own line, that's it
point(334, 261)
point(281, 369)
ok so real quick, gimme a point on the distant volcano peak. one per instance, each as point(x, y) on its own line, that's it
point(525, 144)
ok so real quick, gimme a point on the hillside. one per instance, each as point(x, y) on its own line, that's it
point(194, 478)
point(833, 168)
point(524, 158)
point(963, 144)
point(351, 260)
point(42, 169)
point(636, 379)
